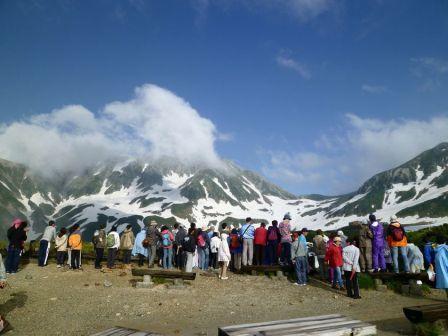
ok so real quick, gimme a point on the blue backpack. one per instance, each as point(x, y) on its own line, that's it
point(166, 241)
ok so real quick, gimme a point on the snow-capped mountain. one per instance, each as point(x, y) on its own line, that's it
point(134, 191)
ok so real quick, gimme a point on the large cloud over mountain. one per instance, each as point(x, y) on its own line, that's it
point(155, 123)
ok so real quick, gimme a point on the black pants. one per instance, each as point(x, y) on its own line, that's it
point(75, 256)
point(43, 252)
point(127, 257)
point(111, 255)
point(259, 254)
point(141, 259)
point(214, 260)
point(352, 285)
point(175, 256)
point(180, 258)
point(60, 257)
point(99, 253)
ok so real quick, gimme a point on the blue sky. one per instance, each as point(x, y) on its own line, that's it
point(315, 95)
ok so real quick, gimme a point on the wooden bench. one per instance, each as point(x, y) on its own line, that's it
point(400, 276)
point(427, 313)
point(117, 331)
point(255, 269)
point(333, 325)
point(161, 273)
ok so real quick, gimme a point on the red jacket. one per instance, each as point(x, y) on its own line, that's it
point(260, 236)
point(334, 256)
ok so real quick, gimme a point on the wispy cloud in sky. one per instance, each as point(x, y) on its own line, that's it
point(286, 61)
point(367, 88)
point(430, 71)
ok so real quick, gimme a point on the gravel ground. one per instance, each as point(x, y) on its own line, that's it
point(51, 301)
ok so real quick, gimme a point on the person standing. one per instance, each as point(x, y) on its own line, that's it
point(273, 239)
point(45, 243)
point(113, 244)
point(167, 244)
point(365, 247)
point(236, 249)
point(415, 258)
point(378, 260)
point(247, 235)
point(285, 232)
point(75, 244)
point(99, 243)
point(441, 263)
point(260, 241)
point(350, 256)
point(320, 248)
point(16, 235)
point(203, 245)
point(127, 243)
point(224, 255)
point(189, 246)
point(215, 243)
point(179, 252)
point(299, 253)
point(397, 240)
point(153, 238)
point(61, 247)
point(334, 259)
point(139, 250)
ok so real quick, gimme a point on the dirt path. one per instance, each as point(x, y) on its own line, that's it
point(51, 301)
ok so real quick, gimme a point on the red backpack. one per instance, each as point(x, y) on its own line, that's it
point(234, 241)
point(397, 233)
point(273, 234)
point(201, 241)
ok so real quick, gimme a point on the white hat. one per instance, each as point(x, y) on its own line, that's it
point(393, 219)
point(340, 233)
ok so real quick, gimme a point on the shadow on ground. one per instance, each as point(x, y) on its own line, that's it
point(17, 300)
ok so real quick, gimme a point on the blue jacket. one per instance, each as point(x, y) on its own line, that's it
point(441, 263)
point(428, 254)
point(247, 233)
point(138, 247)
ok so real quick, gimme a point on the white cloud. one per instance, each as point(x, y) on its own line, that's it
point(373, 88)
point(155, 123)
point(344, 160)
point(430, 71)
point(306, 10)
point(289, 63)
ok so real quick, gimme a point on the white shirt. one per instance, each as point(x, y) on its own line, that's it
point(350, 255)
point(223, 251)
point(215, 243)
point(49, 234)
point(117, 240)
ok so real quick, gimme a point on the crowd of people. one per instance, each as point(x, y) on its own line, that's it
point(336, 258)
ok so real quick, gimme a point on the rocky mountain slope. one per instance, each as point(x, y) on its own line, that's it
point(129, 192)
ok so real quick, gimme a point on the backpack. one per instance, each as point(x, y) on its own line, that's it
point(397, 233)
point(188, 244)
point(166, 241)
point(273, 234)
point(201, 241)
point(234, 241)
point(110, 240)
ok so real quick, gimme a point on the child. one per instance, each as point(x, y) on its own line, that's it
point(61, 247)
point(215, 243)
point(75, 244)
point(224, 255)
point(351, 268)
point(334, 259)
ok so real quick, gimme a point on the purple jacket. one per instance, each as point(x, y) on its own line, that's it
point(378, 235)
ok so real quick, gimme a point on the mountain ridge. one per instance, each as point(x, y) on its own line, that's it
point(115, 193)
